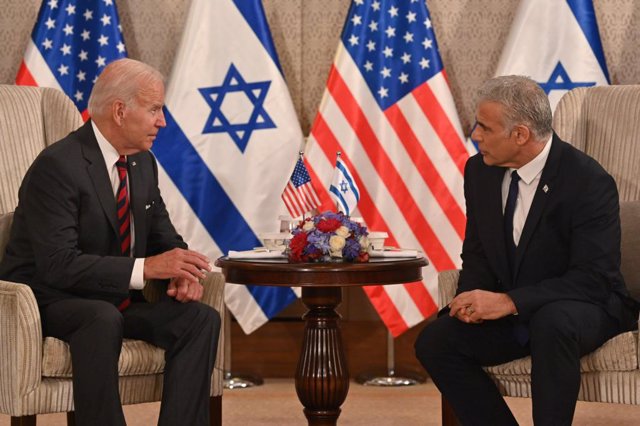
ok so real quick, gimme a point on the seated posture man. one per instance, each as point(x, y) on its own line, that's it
point(541, 257)
point(89, 228)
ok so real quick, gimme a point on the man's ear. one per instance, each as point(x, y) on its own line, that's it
point(523, 134)
point(118, 111)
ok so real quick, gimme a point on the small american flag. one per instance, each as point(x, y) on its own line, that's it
point(299, 195)
point(71, 43)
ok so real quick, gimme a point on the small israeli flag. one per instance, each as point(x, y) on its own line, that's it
point(344, 190)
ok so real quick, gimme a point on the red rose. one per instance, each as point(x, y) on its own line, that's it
point(296, 247)
point(363, 257)
point(328, 225)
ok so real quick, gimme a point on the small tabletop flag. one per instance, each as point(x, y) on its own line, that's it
point(299, 195)
point(343, 188)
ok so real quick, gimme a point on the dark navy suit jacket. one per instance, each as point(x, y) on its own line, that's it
point(64, 241)
point(570, 244)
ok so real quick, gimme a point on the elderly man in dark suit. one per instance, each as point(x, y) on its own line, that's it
point(89, 229)
point(541, 257)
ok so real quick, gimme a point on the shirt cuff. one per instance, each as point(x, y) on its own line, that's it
point(137, 275)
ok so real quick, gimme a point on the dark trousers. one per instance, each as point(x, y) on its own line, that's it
point(188, 332)
point(454, 352)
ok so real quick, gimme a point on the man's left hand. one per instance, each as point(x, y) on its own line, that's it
point(185, 290)
point(479, 305)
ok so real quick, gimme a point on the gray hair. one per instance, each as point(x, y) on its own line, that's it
point(123, 80)
point(524, 102)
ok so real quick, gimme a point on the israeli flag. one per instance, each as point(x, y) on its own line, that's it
point(231, 142)
point(557, 43)
point(343, 189)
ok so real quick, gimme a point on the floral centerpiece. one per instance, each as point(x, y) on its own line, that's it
point(329, 237)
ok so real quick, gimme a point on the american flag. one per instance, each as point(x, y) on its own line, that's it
point(70, 45)
point(299, 195)
point(388, 108)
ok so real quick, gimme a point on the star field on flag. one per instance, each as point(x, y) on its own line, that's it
point(75, 40)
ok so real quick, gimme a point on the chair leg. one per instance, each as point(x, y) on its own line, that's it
point(23, 421)
point(71, 418)
point(449, 417)
point(215, 410)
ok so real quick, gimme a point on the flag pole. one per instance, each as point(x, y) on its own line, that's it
point(391, 378)
point(338, 154)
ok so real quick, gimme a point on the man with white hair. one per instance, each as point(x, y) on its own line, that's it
point(89, 229)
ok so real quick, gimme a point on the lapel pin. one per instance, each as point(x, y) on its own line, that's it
point(545, 188)
point(133, 163)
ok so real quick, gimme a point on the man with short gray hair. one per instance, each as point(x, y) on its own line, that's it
point(540, 264)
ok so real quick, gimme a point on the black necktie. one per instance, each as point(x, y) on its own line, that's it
point(509, 209)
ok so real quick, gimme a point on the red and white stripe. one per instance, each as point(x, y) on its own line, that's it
point(300, 200)
point(408, 162)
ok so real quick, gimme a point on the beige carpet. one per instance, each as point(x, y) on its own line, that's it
point(276, 404)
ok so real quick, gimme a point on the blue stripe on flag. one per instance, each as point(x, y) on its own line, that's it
point(585, 15)
point(335, 191)
point(349, 179)
point(272, 299)
point(201, 189)
point(253, 13)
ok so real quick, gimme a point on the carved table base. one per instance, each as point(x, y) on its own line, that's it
point(322, 378)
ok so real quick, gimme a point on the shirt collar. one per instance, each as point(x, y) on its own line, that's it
point(533, 168)
point(108, 151)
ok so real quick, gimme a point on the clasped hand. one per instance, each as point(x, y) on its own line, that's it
point(476, 306)
point(185, 269)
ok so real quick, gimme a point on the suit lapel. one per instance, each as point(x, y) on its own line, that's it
point(97, 170)
point(543, 192)
point(137, 202)
point(495, 224)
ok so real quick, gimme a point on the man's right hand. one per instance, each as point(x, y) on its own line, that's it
point(177, 263)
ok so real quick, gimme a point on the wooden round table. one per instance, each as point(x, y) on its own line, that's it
point(322, 377)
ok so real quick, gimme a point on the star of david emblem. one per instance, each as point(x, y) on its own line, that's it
point(232, 117)
point(560, 80)
point(344, 186)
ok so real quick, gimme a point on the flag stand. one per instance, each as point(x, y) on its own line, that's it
point(391, 378)
point(233, 380)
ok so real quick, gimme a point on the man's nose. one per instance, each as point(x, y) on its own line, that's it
point(161, 122)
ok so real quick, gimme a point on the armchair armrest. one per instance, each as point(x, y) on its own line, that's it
point(447, 286)
point(20, 342)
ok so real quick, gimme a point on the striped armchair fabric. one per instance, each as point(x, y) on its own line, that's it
point(35, 373)
point(604, 123)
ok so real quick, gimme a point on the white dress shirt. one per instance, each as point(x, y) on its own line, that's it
point(111, 156)
point(529, 178)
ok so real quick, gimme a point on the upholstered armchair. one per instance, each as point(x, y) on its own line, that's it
point(603, 122)
point(35, 373)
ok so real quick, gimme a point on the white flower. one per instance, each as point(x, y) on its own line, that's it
point(364, 242)
point(308, 226)
point(343, 231)
point(336, 253)
point(336, 242)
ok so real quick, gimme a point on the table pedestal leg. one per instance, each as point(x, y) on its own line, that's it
point(322, 379)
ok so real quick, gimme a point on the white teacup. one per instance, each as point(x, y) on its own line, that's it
point(275, 240)
point(377, 239)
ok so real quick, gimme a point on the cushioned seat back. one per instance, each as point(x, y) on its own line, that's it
point(30, 119)
point(604, 122)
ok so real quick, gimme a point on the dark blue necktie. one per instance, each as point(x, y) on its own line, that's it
point(520, 331)
point(509, 210)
